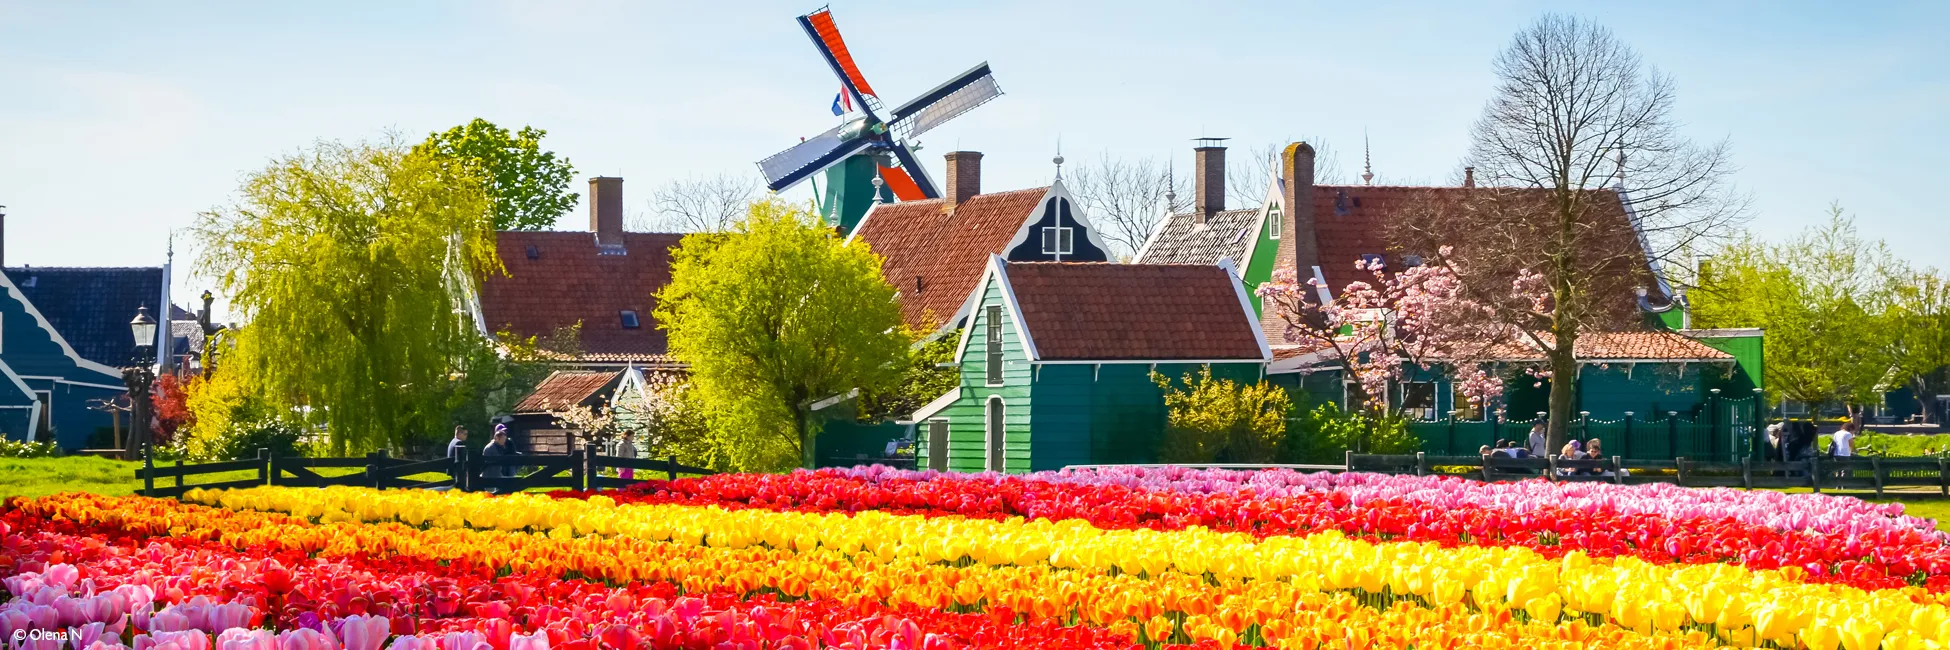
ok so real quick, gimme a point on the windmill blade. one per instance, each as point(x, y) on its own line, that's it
point(825, 35)
point(786, 168)
point(917, 176)
point(960, 95)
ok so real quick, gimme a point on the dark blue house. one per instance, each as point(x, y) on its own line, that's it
point(64, 339)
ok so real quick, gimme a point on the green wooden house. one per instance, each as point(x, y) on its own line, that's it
point(1056, 362)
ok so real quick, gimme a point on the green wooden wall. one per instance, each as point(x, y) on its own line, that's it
point(1259, 269)
point(966, 417)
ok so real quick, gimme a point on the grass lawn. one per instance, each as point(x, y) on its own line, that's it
point(33, 477)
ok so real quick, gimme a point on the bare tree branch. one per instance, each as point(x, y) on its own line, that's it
point(1125, 198)
point(701, 204)
point(1247, 169)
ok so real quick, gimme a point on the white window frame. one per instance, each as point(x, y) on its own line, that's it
point(1432, 410)
point(1274, 221)
point(993, 347)
point(1063, 238)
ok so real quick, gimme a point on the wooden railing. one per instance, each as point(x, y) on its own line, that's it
point(577, 470)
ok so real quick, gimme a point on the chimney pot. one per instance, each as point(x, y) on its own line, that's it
point(964, 177)
point(606, 210)
point(1469, 177)
point(1210, 179)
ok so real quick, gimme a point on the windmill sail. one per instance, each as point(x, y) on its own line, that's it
point(826, 35)
point(960, 95)
point(786, 168)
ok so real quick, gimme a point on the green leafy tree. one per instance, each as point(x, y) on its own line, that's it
point(1213, 419)
point(1820, 297)
point(927, 375)
point(352, 266)
point(773, 316)
point(1326, 433)
point(1918, 333)
point(529, 186)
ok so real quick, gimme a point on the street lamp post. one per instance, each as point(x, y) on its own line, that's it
point(139, 379)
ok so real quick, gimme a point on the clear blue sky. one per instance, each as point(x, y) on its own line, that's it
point(120, 120)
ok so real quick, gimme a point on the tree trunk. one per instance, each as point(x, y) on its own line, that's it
point(1564, 381)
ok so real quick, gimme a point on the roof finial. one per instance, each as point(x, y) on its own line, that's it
point(1171, 190)
point(1619, 176)
point(877, 183)
point(1059, 158)
point(1367, 159)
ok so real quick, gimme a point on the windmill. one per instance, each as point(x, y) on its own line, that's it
point(867, 156)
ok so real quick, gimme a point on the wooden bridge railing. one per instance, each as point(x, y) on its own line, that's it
point(577, 470)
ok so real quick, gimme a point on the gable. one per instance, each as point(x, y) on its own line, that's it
point(91, 307)
point(1056, 231)
point(32, 346)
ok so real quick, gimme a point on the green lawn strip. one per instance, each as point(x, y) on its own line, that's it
point(33, 477)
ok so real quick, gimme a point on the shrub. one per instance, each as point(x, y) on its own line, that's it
point(1325, 435)
point(1221, 420)
point(13, 449)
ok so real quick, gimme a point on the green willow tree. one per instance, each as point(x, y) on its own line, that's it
point(529, 186)
point(351, 266)
point(774, 316)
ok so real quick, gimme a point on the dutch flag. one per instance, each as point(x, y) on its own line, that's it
point(842, 104)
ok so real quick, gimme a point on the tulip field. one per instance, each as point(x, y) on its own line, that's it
point(878, 558)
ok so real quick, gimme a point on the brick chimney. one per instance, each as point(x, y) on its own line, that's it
point(964, 178)
point(1469, 177)
point(1298, 249)
point(606, 210)
point(1209, 191)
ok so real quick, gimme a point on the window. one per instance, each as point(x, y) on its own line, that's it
point(630, 321)
point(1057, 240)
point(1418, 400)
point(1371, 260)
point(1464, 410)
point(995, 435)
point(1411, 261)
point(938, 444)
point(993, 323)
point(45, 428)
point(1274, 221)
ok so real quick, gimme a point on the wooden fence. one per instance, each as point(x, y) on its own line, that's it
point(581, 469)
point(1852, 474)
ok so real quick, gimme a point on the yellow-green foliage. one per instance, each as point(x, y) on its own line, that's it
point(1222, 420)
point(773, 316)
point(352, 266)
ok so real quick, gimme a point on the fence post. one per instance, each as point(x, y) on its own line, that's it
point(1349, 460)
point(670, 465)
point(461, 462)
point(1452, 435)
point(1814, 473)
point(1672, 433)
point(1618, 470)
point(1746, 472)
point(1713, 424)
point(373, 479)
point(1628, 435)
point(1875, 467)
point(148, 472)
point(264, 465)
point(179, 473)
point(1943, 475)
point(578, 466)
point(1550, 474)
point(1421, 463)
point(1679, 469)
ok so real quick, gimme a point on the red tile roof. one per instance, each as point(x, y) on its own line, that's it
point(563, 389)
point(1671, 346)
point(935, 257)
point(1132, 312)
point(567, 281)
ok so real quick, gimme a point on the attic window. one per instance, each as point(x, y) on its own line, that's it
point(1340, 202)
point(1057, 240)
point(1274, 222)
point(630, 321)
point(1370, 260)
point(534, 253)
point(1411, 261)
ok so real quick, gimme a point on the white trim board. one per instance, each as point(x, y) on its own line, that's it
point(59, 380)
point(1246, 307)
point(938, 404)
point(66, 349)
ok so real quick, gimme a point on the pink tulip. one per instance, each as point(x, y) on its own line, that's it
point(42, 617)
point(306, 639)
point(43, 643)
point(23, 584)
point(227, 616)
point(365, 632)
point(183, 640)
point(238, 638)
point(137, 597)
point(61, 575)
point(47, 594)
point(12, 618)
point(73, 611)
point(170, 619)
point(107, 644)
point(536, 641)
point(108, 606)
point(412, 642)
point(463, 641)
point(85, 635)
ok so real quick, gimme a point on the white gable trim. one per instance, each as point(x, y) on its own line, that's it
point(1246, 307)
point(997, 269)
point(66, 349)
point(863, 222)
point(1157, 230)
point(632, 380)
point(1273, 197)
point(938, 404)
point(1056, 190)
point(1645, 245)
point(33, 398)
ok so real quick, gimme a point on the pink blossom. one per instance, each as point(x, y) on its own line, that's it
point(85, 635)
point(410, 642)
point(182, 640)
point(305, 638)
point(366, 632)
point(463, 641)
point(536, 641)
point(227, 616)
point(61, 575)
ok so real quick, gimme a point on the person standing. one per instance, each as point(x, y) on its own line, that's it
point(498, 446)
point(626, 448)
point(1845, 440)
point(1539, 440)
point(460, 441)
